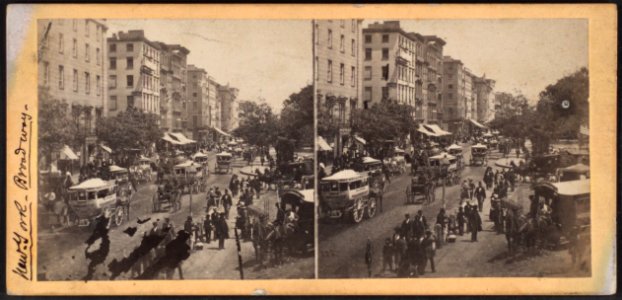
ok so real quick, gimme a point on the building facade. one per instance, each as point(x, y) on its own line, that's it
point(483, 89)
point(71, 61)
point(454, 98)
point(336, 48)
point(173, 89)
point(133, 72)
point(401, 66)
point(228, 107)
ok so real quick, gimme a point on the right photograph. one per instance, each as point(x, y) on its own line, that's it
point(452, 148)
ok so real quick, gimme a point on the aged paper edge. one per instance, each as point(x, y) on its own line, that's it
point(22, 92)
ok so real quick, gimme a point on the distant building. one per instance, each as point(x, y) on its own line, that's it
point(228, 107)
point(483, 88)
point(454, 98)
point(72, 69)
point(402, 66)
point(202, 94)
point(336, 48)
point(133, 72)
point(173, 97)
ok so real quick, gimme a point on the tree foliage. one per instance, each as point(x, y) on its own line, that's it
point(131, 129)
point(513, 116)
point(56, 128)
point(258, 125)
point(386, 121)
point(296, 121)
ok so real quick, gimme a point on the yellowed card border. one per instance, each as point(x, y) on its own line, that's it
point(22, 93)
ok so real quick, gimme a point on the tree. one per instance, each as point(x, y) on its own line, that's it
point(258, 125)
point(55, 126)
point(381, 122)
point(296, 121)
point(131, 129)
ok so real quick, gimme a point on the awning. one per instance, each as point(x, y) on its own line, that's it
point(438, 130)
point(427, 131)
point(181, 138)
point(167, 138)
point(220, 131)
point(322, 145)
point(443, 155)
point(477, 124)
point(105, 148)
point(67, 153)
point(360, 140)
point(93, 183)
point(343, 175)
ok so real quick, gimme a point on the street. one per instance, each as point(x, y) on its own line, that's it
point(61, 253)
point(342, 245)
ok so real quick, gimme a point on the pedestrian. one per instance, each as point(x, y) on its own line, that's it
point(211, 201)
point(207, 228)
point(429, 246)
point(188, 227)
point(218, 196)
point(399, 250)
point(471, 189)
point(441, 226)
point(406, 227)
point(475, 223)
point(387, 255)
point(464, 193)
point(368, 256)
point(227, 202)
point(461, 220)
point(223, 231)
point(480, 195)
point(420, 224)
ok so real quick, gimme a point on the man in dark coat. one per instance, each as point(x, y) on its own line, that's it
point(475, 223)
point(207, 228)
point(461, 220)
point(222, 231)
point(420, 224)
point(406, 227)
point(480, 195)
point(227, 202)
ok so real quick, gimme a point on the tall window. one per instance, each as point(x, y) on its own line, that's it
point(113, 63)
point(129, 47)
point(353, 26)
point(329, 75)
point(87, 82)
point(353, 47)
point(385, 93)
point(385, 53)
point(113, 48)
point(75, 48)
point(367, 95)
point(61, 43)
point(98, 56)
point(98, 84)
point(61, 77)
point(342, 71)
point(367, 53)
point(46, 73)
point(86, 27)
point(367, 74)
point(330, 38)
point(353, 76)
point(368, 38)
point(342, 44)
point(130, 81)
point(130, 101)
point(75, 80)
point(385, 72)
point(113, 103)
point(385, 38)
point(130, 63)
point(87, 55)
point(112, 81)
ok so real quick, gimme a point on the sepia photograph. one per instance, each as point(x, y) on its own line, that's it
point(453, 148)
point(175, 149)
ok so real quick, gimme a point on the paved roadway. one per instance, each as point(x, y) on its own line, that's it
point(61, 253)
point(342, 246)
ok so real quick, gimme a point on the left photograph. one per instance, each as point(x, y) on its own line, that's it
point(175, 149)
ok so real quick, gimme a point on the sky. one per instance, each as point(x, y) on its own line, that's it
point(262, 58)
point(519, 54)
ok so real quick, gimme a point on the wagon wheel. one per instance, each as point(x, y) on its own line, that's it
point(117, 216)
point(372, 207)
point(357, 211)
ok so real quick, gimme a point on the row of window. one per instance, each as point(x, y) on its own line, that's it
point(368, 53)
point(129, 47)
point(148, 102)
point(74, 49)
point(75, 79)
point(87, 27)
point(369, 38)
point(342, 42)
point(342, 72)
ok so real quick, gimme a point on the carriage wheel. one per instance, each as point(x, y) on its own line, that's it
point(357, 212)
point(118, 216)
point(372, 207)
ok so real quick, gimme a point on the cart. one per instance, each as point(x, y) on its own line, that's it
point(223, 162)
point(346, 195)
point(190, 175)
point(456, 151)
point(301, 202)
point(95, 197)
point(166, 197)
point(421, 189)
point(478, 155)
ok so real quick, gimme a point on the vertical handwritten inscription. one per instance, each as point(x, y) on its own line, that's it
point(22, 235)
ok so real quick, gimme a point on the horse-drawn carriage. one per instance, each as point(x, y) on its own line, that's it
point(223, 162)
point(445, 166)
point(142, 169)
point(421, 185)
point(190, 175)
point(299, 226)
point(456, 151)
point(347, 194)
point(54, 206)
point(167, 196)
point(95, 197)
point(200, 158)
point(479, 154)
point(397, 163)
